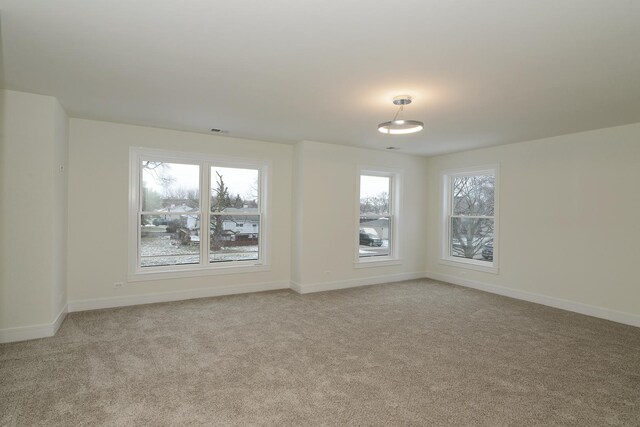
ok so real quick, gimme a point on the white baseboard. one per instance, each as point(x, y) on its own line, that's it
point(59, 319)
point(48, 330)
point(352, 283)
point(123, 301)
point(576, 307)
point(24, 333)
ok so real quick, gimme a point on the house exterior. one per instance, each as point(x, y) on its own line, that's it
point(379, 227)
point(242, 227)
point(192, 221)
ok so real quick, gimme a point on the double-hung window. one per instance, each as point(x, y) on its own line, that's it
point(470, 215)
point(377, 227)
point(193, 215)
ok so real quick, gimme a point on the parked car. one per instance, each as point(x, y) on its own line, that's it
point(487, 251)
point(370, 239)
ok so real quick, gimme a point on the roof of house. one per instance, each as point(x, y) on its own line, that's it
point(380, 222)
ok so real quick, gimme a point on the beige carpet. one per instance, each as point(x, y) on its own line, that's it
point(411, 353)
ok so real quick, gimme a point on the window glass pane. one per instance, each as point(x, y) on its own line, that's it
point(169, 240)
point(374, 195)
point(234, 190)
point(170, 187)
point(473, 195)
point(472, 238)
point(375, 235)
point(234, 238)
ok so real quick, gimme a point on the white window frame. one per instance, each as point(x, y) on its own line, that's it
point(395, 198)
point(445, 224)
point(137, 273)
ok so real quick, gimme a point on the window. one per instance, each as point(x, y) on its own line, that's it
point(195, 215)
point(235, 219)
point(170, 213)
point(470, 219)
point(377, 218)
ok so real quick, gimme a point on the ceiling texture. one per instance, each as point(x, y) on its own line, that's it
point(481, 73)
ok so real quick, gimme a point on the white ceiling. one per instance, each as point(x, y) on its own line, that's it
point(481, 72)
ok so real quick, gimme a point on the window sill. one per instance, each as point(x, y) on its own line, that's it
point(469, 265)
point(143, 276)
point(376, 262)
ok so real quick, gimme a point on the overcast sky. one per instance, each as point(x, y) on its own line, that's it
point(239, 181)
point(372, 186)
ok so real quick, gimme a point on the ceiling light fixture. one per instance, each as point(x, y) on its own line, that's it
point(398, 126)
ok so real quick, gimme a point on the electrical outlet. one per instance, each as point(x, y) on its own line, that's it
point(118, 284)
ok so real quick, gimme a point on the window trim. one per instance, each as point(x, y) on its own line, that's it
point(445, 232)
point(395, 200)
point(137, 273)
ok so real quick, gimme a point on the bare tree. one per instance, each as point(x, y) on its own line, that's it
point(376, 205)
point(220, 200)
point(473, 208)
point(188, 196)
point(251, 196)
point(158, 170)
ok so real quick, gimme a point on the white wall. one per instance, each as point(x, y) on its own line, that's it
point(33, 218)
point(59, 169)
point(568, 226)
point(326, 211)
point(322, 232)
point(297, 218)
point(98, 206)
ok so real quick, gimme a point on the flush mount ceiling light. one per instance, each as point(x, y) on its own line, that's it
point(399, 126)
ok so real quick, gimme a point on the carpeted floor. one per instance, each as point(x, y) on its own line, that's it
point(411, 353)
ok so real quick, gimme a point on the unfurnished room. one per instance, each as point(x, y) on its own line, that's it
point(300, 213)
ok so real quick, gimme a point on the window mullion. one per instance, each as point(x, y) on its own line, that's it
point(205, 201)
point(473, 216)
point(139, 196)
point(236, 213)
